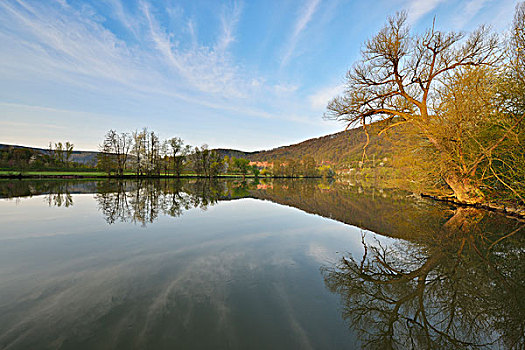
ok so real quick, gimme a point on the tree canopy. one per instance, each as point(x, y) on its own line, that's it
point(445, 92)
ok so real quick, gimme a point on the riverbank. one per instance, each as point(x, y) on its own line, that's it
point(388, 178)
point(504, 208)
point(101, 175)
point(514, 211)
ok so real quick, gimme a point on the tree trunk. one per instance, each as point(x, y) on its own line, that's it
point(464, 189)
point(464, 220)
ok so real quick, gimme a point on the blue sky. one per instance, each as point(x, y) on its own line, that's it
point(248, 75)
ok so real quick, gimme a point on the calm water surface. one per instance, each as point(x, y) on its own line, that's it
point(290, 264)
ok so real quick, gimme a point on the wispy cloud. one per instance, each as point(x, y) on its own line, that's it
point(468, 11)
point(419, 8)
point(305, 16)
point(123, 17)
point(229, 19)
point(206, 68)
point(72, 46)
point(320, 98)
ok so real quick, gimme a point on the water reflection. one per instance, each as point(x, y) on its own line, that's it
point(143, 201)
point(461, 286)
point(243, 274)
point(386, 212)
point(59, 198)
point(453, 278)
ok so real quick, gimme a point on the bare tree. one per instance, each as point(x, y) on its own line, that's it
point(178, 153)
point(153, 153)
point(207, 162)
point(68, 151)
point(115, 149)
point(139, 139)
point(518, 42)
point(397, 80)
point(59, 152)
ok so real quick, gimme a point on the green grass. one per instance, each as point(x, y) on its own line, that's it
point(80, 173)
point(95, 174)
point(53, 173)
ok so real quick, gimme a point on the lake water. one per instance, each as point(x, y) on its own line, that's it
point(277, 264)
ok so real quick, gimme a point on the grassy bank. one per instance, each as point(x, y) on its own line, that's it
point(52, 173)
point(98, 174)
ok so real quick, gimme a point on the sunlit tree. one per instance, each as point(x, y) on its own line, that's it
point(398, 81)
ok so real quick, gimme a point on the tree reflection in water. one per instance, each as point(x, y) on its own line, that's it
point(143, 201)
point(449, 281)
point(461, 287)
point(60, 197)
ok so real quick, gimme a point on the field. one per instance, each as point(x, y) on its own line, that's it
point(44, 173)
point(55, 173)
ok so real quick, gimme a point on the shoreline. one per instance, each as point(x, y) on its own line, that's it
point(21, 176)
point(515, 212)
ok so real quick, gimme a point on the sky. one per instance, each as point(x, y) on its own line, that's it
point(248, 75)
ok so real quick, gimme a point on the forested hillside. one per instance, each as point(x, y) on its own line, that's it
point(338, 149)
point(15, 155)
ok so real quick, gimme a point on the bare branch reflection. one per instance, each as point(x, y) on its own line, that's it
point(60, 197)
point(462, 287)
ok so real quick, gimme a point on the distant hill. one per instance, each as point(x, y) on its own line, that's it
point(337, 149)
point(82, 157)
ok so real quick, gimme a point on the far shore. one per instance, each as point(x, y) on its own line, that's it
point(516, 212)
point(100, 175)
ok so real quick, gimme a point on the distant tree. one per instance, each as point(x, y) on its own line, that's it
point(278, 167)
point(116, 148)
point(68, 151)
point(216, 164)
point(200, 160)
point(206, 162)
point(326, 171)
point(255, 171)
point(265, 172)
point(138, 150)
point(61, 153)
point(178, 153)
point(51, 152)
point(58, 153)
point(152, 153)
point(308, 166)
point(105, 159)
point(242, 165)
point(227, 166)
point(292, 167)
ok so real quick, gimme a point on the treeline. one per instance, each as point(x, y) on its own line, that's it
point(291, 167)
point(143, 153)
point(339, 150)
point(57, 156)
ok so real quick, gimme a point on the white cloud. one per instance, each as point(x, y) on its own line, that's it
point(468, 11)
point(419, 8)
point(209, 69)
point(285, 88)
point(320, 99)
point(229, 20)
point(497, 14)
point(67, 43)
point(67, 46)
point(302, 21)
point(67, 58)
